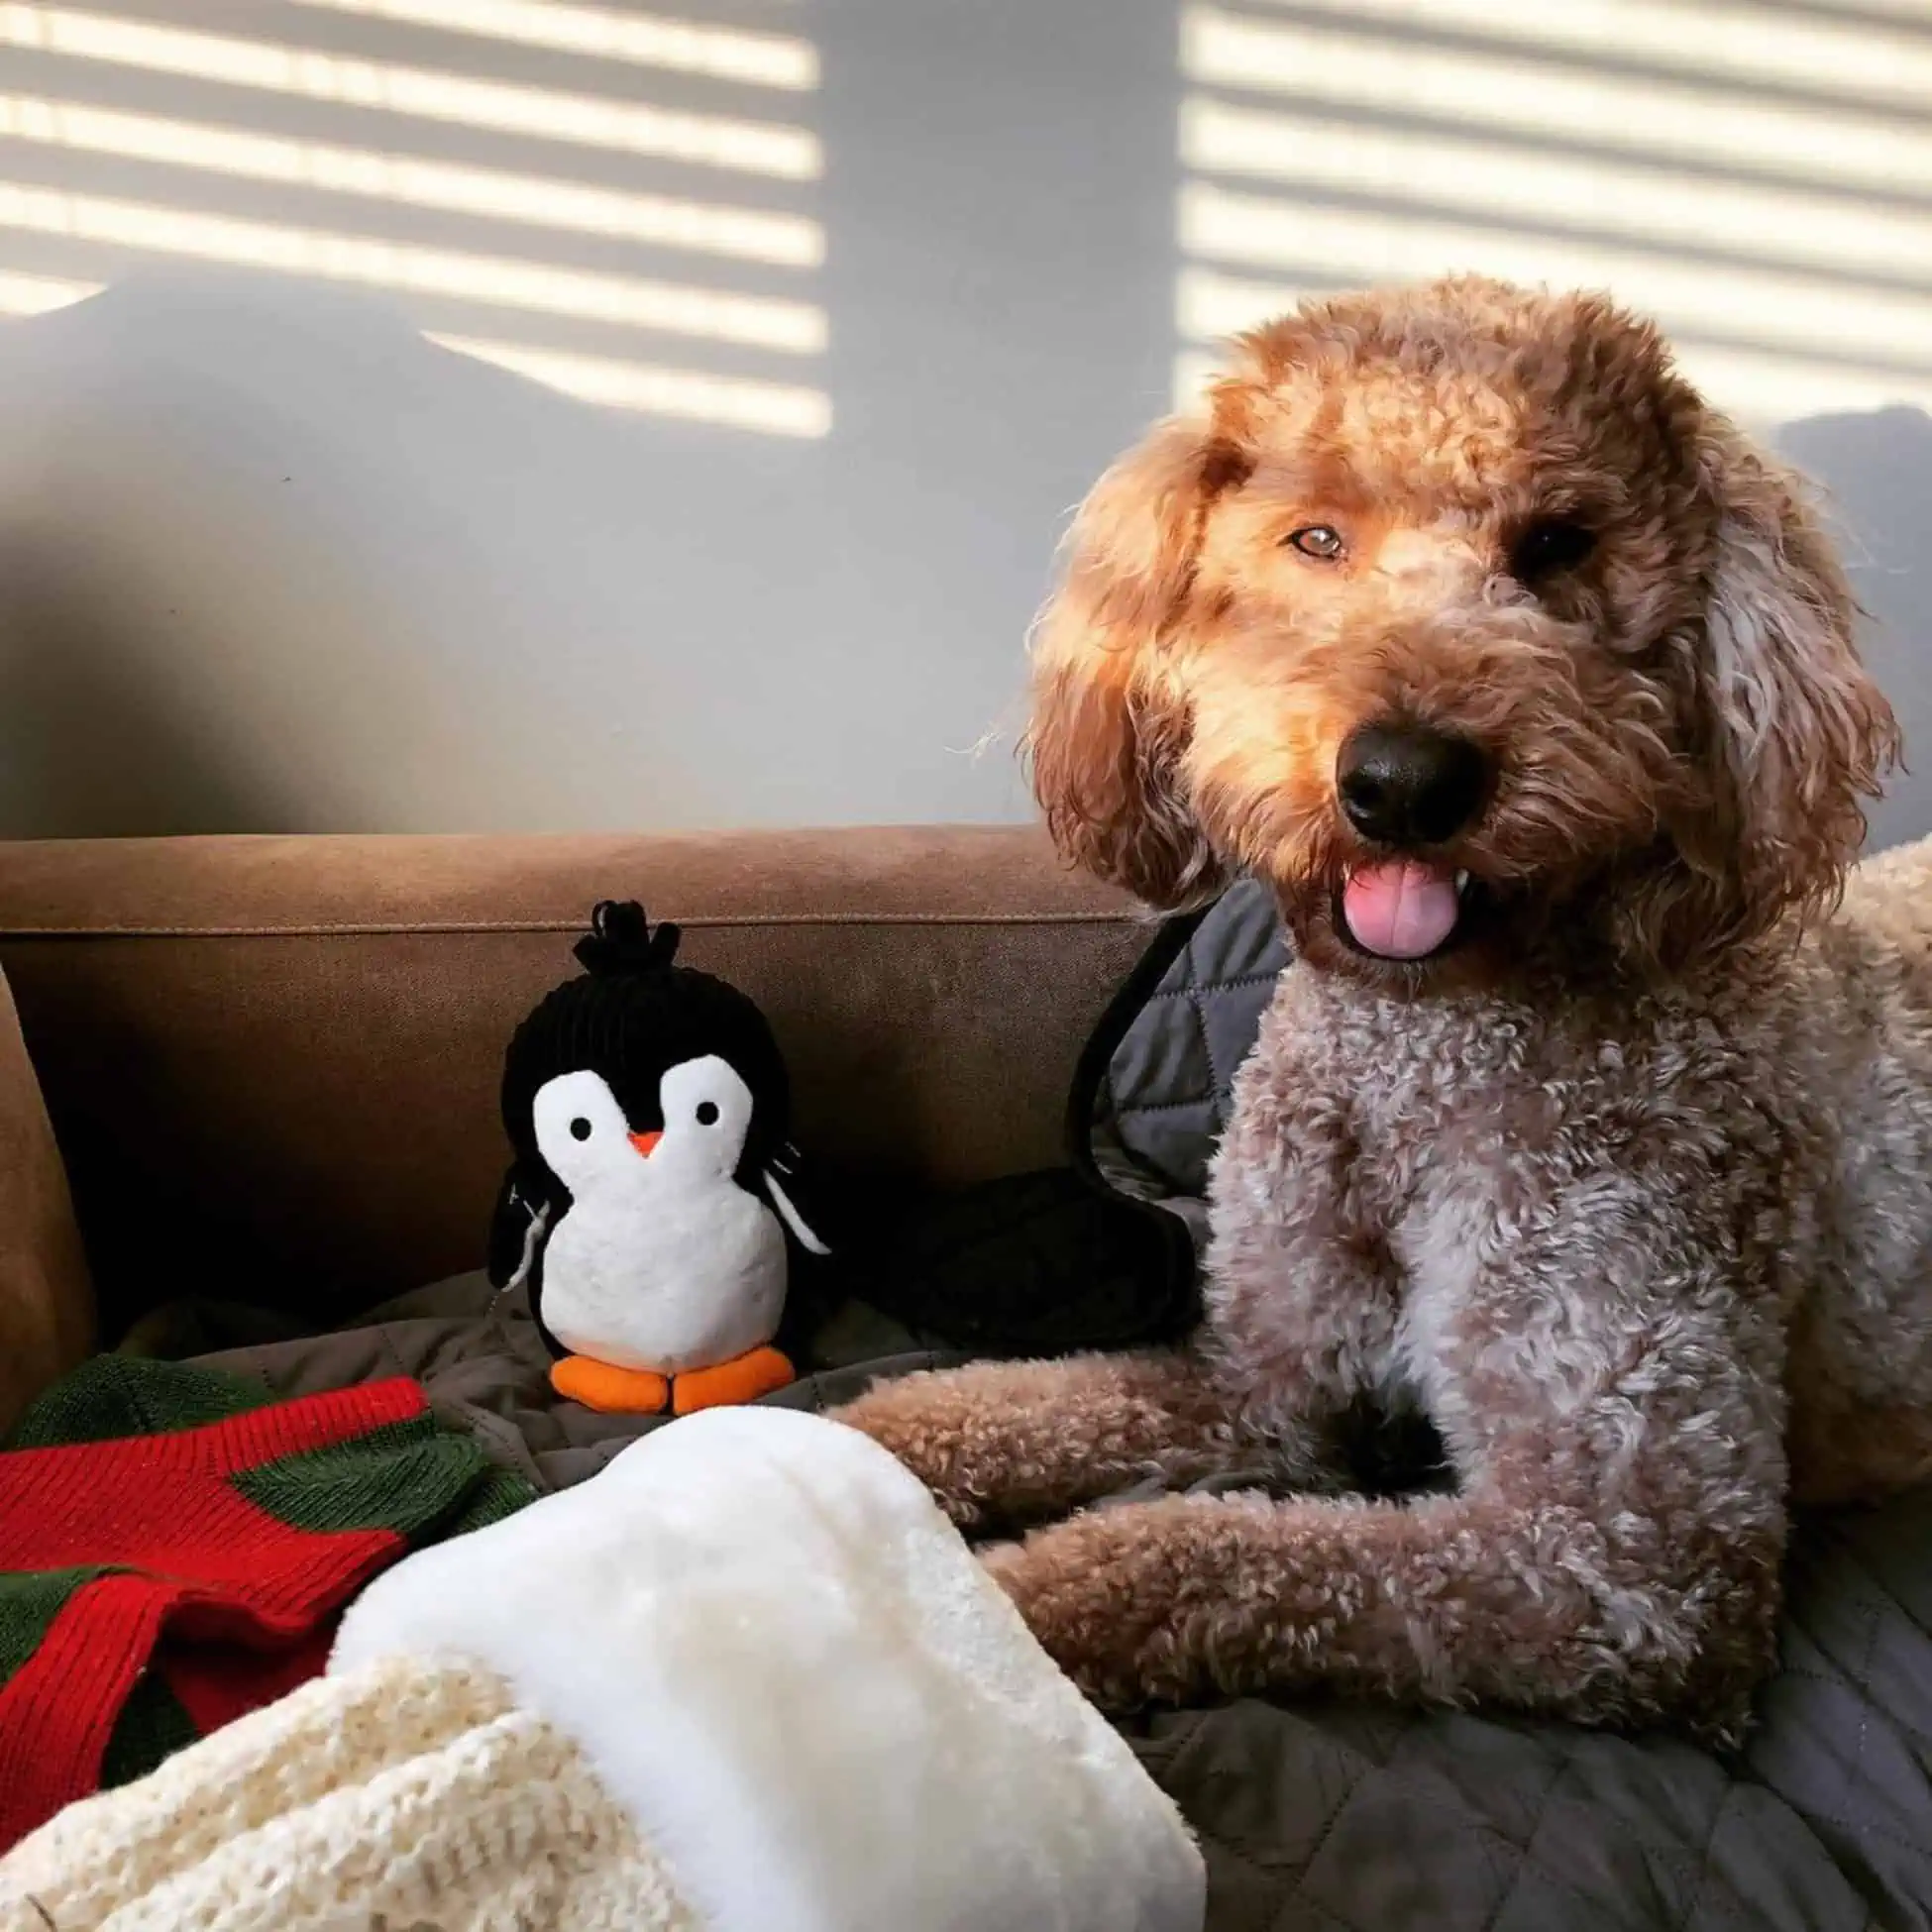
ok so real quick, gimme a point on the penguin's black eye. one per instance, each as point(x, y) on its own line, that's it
point(580, 1128)
point(708, 1113)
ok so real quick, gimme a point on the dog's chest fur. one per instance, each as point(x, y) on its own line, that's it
point(1407, 1185)
point(1519, 1194)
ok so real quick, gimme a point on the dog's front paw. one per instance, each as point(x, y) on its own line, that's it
point(1087, 1593)
point(942, 1432)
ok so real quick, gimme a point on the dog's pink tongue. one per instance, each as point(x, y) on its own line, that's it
point(1403, 910)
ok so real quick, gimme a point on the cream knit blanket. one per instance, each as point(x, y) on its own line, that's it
point(402, 1795)
point(746, 1680)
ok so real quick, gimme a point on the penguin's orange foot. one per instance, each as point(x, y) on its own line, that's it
point(745, 1378)
point(610, 1390)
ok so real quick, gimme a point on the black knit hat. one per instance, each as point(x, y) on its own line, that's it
point(631, 1015)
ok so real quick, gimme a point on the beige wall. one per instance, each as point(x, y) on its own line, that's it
point(270, 559)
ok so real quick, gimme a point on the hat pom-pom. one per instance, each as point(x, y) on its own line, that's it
point(621, 940)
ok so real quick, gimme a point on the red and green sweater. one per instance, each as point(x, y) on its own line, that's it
point(175, 1547)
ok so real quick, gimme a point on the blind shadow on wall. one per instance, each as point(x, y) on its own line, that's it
point(518, 414)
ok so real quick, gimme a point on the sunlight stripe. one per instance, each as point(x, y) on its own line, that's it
point(1468, 90)
point(747, 234)
point(742, 402)
point(776, 409)
point(1712, 41)
point(798, 328)
point(1647, 204)
point(1761, 391)
point(1757, 304)
point(584, 120)
point(39, 295)
point(1775, 390)
point(644, 39)
point(1209, 307)
point(1194, 369)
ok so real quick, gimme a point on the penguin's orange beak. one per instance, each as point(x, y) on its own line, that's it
point(645, 1143)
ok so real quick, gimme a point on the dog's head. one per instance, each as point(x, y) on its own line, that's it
point(1461, 618)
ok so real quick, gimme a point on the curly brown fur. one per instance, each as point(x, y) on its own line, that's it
point(1629, 1183)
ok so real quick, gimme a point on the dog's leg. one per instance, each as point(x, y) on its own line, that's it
point(1450, 1600)
point(1613, 1553)
point(1015, 1442)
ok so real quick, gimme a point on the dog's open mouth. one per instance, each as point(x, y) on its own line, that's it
point(1402, 909)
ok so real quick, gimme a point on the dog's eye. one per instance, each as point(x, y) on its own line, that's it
point(1547, 546)
point(1316, 540)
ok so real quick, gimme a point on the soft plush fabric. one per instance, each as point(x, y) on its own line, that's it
point(405, 1794)
point(789, 1669)
point(652, 1206)
point(172, 1549)
point(486, 1370)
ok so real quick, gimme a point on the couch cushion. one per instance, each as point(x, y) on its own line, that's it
point(45, 1306)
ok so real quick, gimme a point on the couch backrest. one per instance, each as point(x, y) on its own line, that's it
point(272, 1062)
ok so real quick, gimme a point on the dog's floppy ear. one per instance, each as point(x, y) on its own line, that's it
point(1109, 727)
point(1802, 733)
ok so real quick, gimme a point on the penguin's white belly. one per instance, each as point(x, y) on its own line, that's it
point(662, 1280)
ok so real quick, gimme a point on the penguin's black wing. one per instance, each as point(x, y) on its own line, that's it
point(790, 1194)
point(815, 1245)
point(517, 1226)
point(527, 1209)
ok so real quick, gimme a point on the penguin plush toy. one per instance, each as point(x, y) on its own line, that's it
point(651, 1200)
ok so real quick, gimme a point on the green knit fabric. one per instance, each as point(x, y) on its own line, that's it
point(28, 1602)
point(406, 1476)
point(151, 1729)
point(113, 1396)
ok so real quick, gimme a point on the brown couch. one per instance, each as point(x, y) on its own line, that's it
point(270, 1068)
point(271, 1063)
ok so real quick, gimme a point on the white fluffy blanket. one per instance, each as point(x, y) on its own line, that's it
point(786, 1667)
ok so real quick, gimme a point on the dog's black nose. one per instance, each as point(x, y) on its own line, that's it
point(1405, 785)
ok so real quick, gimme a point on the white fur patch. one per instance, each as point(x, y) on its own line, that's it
point(787, 1666)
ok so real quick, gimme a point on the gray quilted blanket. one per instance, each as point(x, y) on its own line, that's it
point(1328, 1817)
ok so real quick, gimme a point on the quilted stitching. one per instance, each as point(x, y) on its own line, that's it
point(1163, 1104)
point(1627, 1836)
point(1847, 1738)
point(1359, 1855)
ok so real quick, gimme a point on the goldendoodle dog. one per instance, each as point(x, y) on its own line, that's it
point(1594, 1118)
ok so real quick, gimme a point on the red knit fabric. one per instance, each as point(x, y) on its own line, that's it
point(192, 1556)
point(216, 1684)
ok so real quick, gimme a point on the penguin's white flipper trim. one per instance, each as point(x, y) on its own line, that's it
point(533, 1241)
point(792, 1216)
